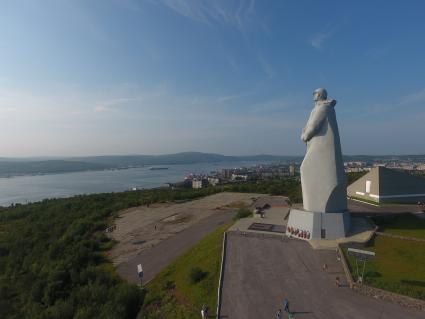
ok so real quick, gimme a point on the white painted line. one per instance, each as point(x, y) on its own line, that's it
point(397, 196)
point(360, 201)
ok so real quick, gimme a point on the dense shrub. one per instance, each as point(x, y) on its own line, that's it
point(290, 187)
point(196, 275)
point(52, 262)
point(243, 213)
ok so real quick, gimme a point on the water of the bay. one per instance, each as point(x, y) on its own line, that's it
point(23, 189)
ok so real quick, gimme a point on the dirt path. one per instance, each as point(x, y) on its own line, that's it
point(155, 259)
point(142, 228)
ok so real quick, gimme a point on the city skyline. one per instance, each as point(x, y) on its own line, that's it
point(229, 77)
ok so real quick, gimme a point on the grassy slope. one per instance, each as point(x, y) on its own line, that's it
point(172, 295)
point(399, 265)
point(406, 225)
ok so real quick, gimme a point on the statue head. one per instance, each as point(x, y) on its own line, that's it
point(320, 94)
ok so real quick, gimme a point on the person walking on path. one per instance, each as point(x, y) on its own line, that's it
point(286, 305)
point(204, 312)
point(337, 282)
point(279, 314)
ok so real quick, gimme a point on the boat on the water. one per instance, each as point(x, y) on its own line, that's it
point(157, 168)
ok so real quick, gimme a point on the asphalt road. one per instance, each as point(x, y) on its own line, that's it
point(259, 273)
point(155, 259)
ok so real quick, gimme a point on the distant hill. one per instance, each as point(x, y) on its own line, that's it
point(140, 160)
point(52, 165)
point(33, 166)
point(384, 158)
point(15, 168)
point(178, 158)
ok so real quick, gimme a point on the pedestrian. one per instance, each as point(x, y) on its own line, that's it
point(325, 267)
point(155, 226)
point(338, 257)
point(203, 312)
point(206, 312)
point(286, 305)
point(279, 314)
point(337, 283)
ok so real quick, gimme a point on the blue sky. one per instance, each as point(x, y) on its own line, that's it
point(232, 77)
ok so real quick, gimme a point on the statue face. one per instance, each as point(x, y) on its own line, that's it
point(320, 95)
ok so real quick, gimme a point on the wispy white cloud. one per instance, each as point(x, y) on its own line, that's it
point(116, 103)
point(150, 120)
point(22, 105)
point(377, 52)
point(266, 67)
point(231, 12)
point(272, 106)
point(100, 108)
point(228, 98)
point(413, 98)
point(132, 5)
point(78, 15)
point(391, 109)
point(318, 40)
point(232, 62)
point(8, 112)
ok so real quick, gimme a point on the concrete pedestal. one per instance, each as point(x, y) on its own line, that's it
point(308, 225)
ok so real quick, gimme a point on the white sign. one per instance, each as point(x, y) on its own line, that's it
point(368, 184)
point(361, 254)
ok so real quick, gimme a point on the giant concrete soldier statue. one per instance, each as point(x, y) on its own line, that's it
point(324, 214)
point(322, 170)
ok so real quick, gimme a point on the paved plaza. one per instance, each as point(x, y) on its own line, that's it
point(260, 272)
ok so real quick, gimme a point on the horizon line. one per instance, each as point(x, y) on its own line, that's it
point(186, 152)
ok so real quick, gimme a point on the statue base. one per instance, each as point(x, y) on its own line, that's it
point(311, 225)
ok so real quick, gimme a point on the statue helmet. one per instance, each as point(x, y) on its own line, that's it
point(321, 94)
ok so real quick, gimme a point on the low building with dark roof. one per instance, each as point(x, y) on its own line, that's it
point(383, 185)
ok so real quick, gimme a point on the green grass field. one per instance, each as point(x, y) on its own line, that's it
point(404, 225)
point(172, 294)
point(399, 265)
